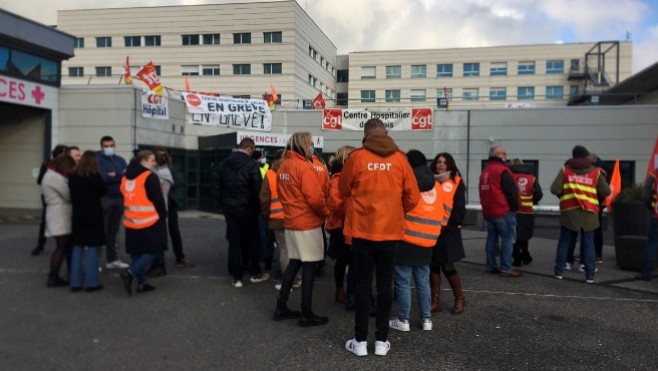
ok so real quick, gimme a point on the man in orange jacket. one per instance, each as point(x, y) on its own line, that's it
point(379, 187)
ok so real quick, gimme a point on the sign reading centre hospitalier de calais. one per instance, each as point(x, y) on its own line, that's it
point(233, 113)
point(403, 119)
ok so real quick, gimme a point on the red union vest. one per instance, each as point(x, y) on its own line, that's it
point(579, 191)
point(276, 208)
point(492, 198)
point(654, 194)
point(525, 183)
point(139, 212)
point(448, 188)
point(422, 225)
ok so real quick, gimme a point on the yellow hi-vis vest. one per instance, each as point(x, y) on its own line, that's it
point(139, 212)
point(422, 225)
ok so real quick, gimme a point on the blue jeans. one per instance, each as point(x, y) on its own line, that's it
point(139, 265)
point(503, 227)
point(588, 256)
point(403, 290)
point(649, 260)
point(88, 274)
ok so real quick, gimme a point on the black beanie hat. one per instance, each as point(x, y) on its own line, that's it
point(416, 158)
point(579, 152)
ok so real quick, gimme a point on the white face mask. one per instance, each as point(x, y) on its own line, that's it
point(108, 151)
point(263, 160)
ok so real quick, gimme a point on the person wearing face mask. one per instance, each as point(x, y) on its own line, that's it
point(112, 168)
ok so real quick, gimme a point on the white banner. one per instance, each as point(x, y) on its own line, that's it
point(154, 106)
point(274, 140)
point(27, 93)
point(403, 119)
point(234, 113)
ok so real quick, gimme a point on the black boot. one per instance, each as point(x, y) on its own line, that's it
point(516, 256)
point(350, 302)
point(282, 312)
point(309, 318)
point(525, 255)
point(55, 281)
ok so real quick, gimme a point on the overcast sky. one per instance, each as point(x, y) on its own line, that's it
point(359, 25)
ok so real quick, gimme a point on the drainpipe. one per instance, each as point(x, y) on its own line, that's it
point(468, 147)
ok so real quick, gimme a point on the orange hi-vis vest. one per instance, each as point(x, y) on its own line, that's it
point(139, 212)
point(422, 225)
point(525, 183)
point(579, 191)
point(276, 208)
point(449, 188)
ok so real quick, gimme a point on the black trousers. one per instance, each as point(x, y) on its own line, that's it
point(174, 231)
point(242, 230)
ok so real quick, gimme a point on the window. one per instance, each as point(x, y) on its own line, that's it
point(417, 95)
point(157, 70)
point(342, 99)
point(526, 68)
point(392, 95)
point(393, 72)
point(190, 39)
point(242, 38)
point(272, 37)
point(312, 80)
point(104, 71)
point(441, 97)
point(573, 90)
point(418, 71)
point(210, 70)
point(525, 92)
point(242, 69)
point(498, 69)
point(367, 96)
point(76, 72)
point(444, 70)
point(554, 66)
point(152, 40)
point(471, 69)
point(343, 76)
point(79, 42)
point(575, 65)
point(192, 70)
point(470, 94)
point(272, 68)
point(103, 42)
point(498, 94)
point(555, 92)
point(312, 52)
point(211, 39)
point(368, 72)
point(132, 41)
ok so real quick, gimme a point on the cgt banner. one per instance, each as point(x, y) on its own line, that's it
point(405, 119)
point(234, 113)
point(154, 106)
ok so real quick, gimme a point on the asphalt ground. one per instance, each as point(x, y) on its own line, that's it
point(196, 320)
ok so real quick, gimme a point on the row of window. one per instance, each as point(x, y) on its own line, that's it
point(29, 66)
point(323, 62)
point(313, 81)
point(189, 70)
point(191, 39)
point(469, 69)
point(468, 94)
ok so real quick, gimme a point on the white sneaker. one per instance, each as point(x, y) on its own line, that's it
point(427, 324)
point(360, 348)
point(277, 287)
point(117, 264)
point(582, 268)
point(260, 278)
point(589, 281)
point(398, 324)
point(567, 266)
point(558, 276)
point(297, 284)
point(236, 283)
point(382, 347)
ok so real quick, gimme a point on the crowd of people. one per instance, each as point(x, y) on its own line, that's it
point(388, 213)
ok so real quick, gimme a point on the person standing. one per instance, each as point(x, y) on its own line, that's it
point(145, 219)
point(112, 168)
point(239, 182)
point(74, 151)
point(56, 193)
point(87, 188)
point(379, 188)
point(529, 194)
point(650, 198)
point(449, 249)
point(499, 200)
point(422, 227)
point(578, 185)
point(304, 210)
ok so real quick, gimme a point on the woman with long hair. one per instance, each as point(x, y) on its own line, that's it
point(305, 210)
point(339, 245)
point(87, 188)
point(449, 248)
point(57, 196)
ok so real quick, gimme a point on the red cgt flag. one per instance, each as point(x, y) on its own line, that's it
point(151, 78)
point(615, 186)
point(318, 102)
point(270, 100)
point(653, 161)
point(127, 77)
